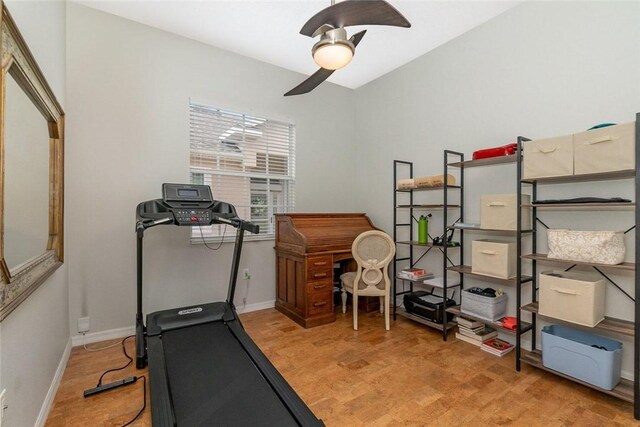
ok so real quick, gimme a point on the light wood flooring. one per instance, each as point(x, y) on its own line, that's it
point(407, 376)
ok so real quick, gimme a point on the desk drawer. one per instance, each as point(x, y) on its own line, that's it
point(319, 275)
point(319, 303)
point(319, 262)
point(319, 287)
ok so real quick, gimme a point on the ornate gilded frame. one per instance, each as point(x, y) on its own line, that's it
point(16, 58)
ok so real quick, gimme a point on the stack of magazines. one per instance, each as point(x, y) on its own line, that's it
point(414, 274)
point(497, 346)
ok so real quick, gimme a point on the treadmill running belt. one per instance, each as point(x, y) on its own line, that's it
point(214, 382)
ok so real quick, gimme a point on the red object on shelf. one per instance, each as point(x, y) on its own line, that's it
point(509, 322)
point(505, 150)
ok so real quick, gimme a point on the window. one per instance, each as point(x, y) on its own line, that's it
point(247, 161)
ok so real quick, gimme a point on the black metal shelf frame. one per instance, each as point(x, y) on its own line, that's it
point(463, 269)
point(413, 261)
point(446, 225)
point(523, 355)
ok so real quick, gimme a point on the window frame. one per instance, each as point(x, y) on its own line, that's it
point(286, 183)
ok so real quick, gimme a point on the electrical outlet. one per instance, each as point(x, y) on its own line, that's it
point(3, 405)
point(83, 324)
point(246, 274)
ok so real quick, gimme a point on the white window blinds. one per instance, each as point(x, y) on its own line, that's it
point(248, 161)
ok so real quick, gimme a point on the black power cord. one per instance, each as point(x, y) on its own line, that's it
point(224, 231)
point(144, 400)
point(100, 387)
point(124, 350)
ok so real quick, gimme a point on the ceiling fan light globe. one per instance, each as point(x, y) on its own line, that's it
point(333, 56)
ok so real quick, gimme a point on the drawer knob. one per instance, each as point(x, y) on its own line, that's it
point(319, 286)
point(318, 263)
point(318, 275)
point(319, 304)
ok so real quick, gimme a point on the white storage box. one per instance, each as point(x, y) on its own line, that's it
point(486, 308)
point(500, 212)
point(607, 149)
point(572, 297)
point(548, 157)
point(493, 258)
point(595, 247)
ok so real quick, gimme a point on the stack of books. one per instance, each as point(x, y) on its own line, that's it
point(497, 346)
point(414, 274)
point(473, 331)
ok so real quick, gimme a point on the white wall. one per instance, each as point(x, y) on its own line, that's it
point(34, 336)
point(127, 133)
point(540, 69)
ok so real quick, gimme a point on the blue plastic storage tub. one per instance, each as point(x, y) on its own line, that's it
point(590, 358)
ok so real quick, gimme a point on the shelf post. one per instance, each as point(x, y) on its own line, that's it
point(636, 341)
point(519, 254)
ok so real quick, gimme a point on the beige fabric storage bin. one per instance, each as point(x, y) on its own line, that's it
point(500, 212)
point(607, 149)
point(573, 297)
point(548, 157)
point(493, 258)
point(596, 247)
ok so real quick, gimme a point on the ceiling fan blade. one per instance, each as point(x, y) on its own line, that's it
point(355, 12)
point(310, 84)
point(355, 39)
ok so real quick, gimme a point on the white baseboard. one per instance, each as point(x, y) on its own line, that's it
point(257, 306)
point(53, 388)
point(110, 334)
point(113, 334)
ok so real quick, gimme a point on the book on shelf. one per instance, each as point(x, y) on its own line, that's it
point(497, 346)
point(471, 330)
point(414, 274)
point(470, 340)
point(484, 335)
point(468, 322)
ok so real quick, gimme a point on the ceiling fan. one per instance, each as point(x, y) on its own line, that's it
point(334, 50)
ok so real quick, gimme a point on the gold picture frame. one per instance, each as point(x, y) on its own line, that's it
point(16, 59)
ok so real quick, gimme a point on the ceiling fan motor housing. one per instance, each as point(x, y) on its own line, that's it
point(337, 36)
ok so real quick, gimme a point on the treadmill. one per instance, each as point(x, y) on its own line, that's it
point(204, 370)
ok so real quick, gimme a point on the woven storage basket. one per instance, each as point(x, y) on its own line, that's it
point(597, 247)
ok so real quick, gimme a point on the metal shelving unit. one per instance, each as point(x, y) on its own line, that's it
point(626, 390)
point(406, 225)
point(465, 270)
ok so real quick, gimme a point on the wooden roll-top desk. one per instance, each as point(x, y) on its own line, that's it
point(307, 246)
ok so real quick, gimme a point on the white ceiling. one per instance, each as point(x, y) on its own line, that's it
point(268, 30)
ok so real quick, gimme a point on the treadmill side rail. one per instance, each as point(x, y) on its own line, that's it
point(298, 409)
point(161, 405)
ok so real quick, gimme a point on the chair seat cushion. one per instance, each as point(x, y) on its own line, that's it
point(350, 277)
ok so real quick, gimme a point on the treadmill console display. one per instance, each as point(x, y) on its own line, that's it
point(191, 203)
point(182, 195)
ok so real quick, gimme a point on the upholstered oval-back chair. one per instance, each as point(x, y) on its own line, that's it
point(373, 251)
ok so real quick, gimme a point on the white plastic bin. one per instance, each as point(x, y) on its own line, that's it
point(590, 358)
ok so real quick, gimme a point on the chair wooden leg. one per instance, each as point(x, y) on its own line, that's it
point(355, 312)
point(344, 300)
point(386, 312)
point(381, 305)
